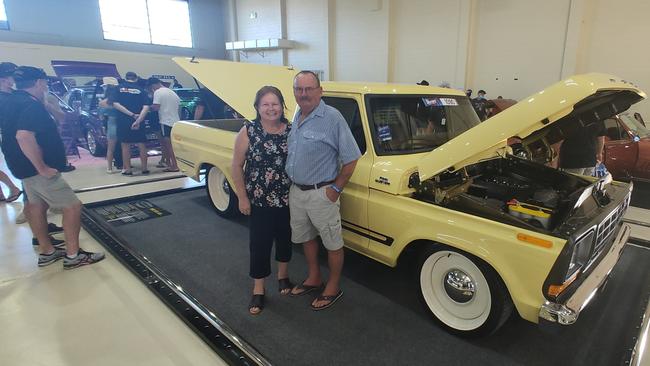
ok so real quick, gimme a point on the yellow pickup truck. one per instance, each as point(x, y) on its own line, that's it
point(492, 231)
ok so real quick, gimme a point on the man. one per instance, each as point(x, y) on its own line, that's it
point(580, 152)
point(319, 142)
point(35, 154)
point(167, 104)
point(7, 70)
point(130, 129)
point(6, 88)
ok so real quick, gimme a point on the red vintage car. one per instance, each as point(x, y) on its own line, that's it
point(627, 148)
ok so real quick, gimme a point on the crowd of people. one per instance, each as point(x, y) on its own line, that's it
point(125, 107)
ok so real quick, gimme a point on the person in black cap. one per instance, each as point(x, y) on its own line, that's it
point(130, 126)
point(6, 88)
point(35, 154)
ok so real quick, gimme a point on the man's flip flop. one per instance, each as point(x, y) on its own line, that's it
point(304, 289)
point(14, 196)
point(331, 298)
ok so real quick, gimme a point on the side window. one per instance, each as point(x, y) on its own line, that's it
point(614, 130)
point(350, 111)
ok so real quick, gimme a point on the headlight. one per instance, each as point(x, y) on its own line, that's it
point(581, 253)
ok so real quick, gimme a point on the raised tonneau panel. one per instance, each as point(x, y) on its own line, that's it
point(233, 125)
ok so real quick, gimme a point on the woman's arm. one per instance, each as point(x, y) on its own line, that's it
point(237, 170)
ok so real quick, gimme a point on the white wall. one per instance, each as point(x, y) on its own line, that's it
point(425, 42)
point(267, 24)
point(518, 46)
point(307, 25)
point(360, 45)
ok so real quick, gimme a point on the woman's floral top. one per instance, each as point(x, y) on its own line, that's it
point(267, 184)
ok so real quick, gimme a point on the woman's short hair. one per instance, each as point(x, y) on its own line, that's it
point(264, 91)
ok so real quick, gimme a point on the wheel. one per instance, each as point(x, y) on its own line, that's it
point(222, 197)
point(464, 294)
point(94, 148)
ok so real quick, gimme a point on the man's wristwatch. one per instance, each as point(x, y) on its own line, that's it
point(336, 189)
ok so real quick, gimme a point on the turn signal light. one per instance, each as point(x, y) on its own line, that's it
point(554, 290)
point(535, 240)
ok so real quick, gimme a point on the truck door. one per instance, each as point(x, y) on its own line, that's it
point(620, 150)
point(354, 200)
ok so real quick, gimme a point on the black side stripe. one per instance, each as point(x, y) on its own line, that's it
point(370, 234)
point(187, 162)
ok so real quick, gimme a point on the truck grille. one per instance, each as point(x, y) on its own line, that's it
point(606, 227)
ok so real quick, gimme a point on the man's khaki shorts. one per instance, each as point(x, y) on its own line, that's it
point(55, 191)
point(313, 214)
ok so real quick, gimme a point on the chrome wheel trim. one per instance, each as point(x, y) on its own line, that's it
point(219, 189)
point(92, 143)
point(466, 315)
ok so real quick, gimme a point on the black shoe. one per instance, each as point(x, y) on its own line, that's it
point(57, 243)
point(53, 229)
point(68, 168)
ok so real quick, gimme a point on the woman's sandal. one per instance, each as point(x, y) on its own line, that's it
point(285, 286)
point(257, 301)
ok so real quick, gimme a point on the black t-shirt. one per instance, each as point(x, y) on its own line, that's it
point(579, 150)
point(132, 97)
point(24, 112)
point(4, 102)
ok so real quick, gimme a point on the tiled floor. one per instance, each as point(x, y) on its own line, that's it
point(94, 315)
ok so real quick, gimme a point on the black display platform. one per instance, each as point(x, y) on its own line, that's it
point(199, 263)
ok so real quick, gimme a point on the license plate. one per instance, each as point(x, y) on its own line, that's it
point(152, 136)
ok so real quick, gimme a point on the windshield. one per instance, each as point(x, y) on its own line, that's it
point(407, 124)
point(635, 126)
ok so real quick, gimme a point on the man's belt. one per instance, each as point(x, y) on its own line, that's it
point(307, 187)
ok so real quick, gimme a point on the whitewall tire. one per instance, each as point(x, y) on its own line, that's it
point(463, 293)
point(221, 195)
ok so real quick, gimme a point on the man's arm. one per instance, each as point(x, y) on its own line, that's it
point(29, 146)
point(122, 109)
point(141, 116)
point(53, 107)
point(341, 180)
point(155, 107)
point(600, 143)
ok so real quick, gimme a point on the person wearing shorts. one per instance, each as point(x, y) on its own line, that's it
point(319, 143)
point(167, 104)
point(35, 154)
point(132, 103)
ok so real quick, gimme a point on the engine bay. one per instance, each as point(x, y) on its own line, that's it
point(510, 189)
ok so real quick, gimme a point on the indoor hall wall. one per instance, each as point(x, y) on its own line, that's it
point(307, 25)
point(144, 64)
point(360, 40)
point(517, 46)
point(77, 23)
point(267, 24)
point(428, 41)
point(616, 42)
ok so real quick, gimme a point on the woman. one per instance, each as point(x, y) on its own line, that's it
point(107, 109)
point(262, 187)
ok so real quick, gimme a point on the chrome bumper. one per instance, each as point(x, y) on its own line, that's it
point(566, 314)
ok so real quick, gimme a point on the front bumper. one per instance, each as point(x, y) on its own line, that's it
point(568, 312)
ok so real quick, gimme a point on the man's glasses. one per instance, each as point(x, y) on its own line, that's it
point(308, 89)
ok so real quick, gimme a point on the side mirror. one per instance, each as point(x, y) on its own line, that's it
point(636, 138)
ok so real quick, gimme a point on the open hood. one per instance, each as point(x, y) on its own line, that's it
point(549, 115)
point(236, 83)
point(65, 69)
